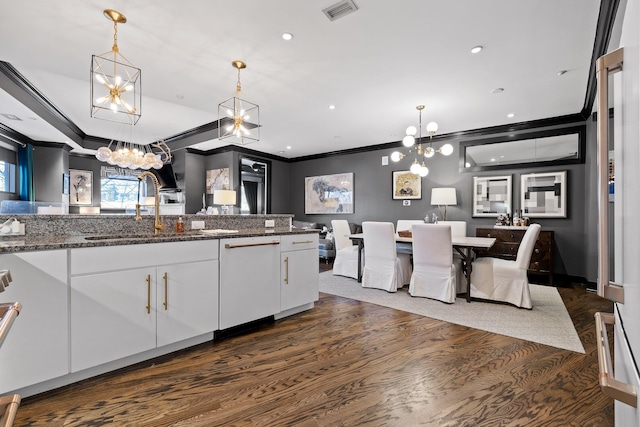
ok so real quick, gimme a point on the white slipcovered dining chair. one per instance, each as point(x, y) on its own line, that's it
point(503, 280)
point(458, 229)
point(406, 224)
point(401, 225)
point(434, 273)
point(346, 260)
point(384, 268)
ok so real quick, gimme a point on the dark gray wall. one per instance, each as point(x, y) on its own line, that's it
point(49, 164)
point(373, 200)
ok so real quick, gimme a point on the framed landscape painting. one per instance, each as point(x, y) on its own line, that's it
point(544, 195)
point(217, 179)
point(329, 194)
point(406, 185)
point(491, 195)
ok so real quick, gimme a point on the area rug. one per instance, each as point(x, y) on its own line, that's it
point(547, 323)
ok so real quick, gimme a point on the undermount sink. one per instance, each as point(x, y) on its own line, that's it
point(136, 236)
point(126, 237)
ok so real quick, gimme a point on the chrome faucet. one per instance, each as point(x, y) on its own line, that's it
point(158, 223)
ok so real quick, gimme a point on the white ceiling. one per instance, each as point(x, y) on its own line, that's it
point(375, 65)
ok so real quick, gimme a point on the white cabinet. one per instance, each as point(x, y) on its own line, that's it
point(187, 301)
point(299, 270)
point(249, 279)
point(129, 299)
point(37, 349)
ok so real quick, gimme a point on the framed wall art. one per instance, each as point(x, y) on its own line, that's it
point(81, 187)
point(491, 195)
point(544, 195)
point(406, 185)
point(217, 179)
point(66, 183)
point(329, 194)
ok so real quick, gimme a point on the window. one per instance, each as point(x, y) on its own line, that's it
point(121, 192)
point(7, 177)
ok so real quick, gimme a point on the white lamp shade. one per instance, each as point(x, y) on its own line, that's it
point(224, 197)
point(443, 196)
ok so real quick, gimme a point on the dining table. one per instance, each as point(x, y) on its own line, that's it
point(464, 245)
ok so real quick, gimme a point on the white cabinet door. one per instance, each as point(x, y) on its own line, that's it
point(187, 301)
point(37, 346)
point(249, 279)
point(299, 284)
point(299, 270)
point(113, 315)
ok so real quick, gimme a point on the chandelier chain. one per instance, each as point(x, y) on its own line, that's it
point(115, 36)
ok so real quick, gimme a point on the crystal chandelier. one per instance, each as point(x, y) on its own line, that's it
point(409, 141)
point(238, 119)
point(115, 82)
point(135, 156)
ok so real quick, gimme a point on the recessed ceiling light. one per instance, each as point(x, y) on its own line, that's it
point(467, 165)
point(11, 117)
point(288, 147)
point(287, 36)
point(510, 115)
point(493, 160)
point(476, 49)
point(498, 90)
point(561, 73)
point(332, 107)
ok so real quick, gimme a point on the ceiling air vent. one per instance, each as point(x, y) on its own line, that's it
point(340, 9)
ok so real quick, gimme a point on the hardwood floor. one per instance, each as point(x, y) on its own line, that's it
point(349, 363)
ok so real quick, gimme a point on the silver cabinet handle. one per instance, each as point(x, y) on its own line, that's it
point(618, 390)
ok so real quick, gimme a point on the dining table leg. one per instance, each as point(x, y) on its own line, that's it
point(467, 256)
point(360, 248)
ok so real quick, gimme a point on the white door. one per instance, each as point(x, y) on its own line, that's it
point(249, 279)
point(626, 205)
point(113, 315)
point(299, 278)
point(187, 301)
point(37, 346)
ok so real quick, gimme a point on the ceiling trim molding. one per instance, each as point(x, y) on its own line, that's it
point(9, 135)
point(520, 127)
point(239, 149)
point(20, 88)
point(604, 28)
point(16, 85)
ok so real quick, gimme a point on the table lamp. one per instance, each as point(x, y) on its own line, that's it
point(443, 197)
point(224, 198)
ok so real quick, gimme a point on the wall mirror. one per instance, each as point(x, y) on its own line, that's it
point(544, 148)
point(254, 186)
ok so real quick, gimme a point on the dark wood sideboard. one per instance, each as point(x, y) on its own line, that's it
point(508, 242)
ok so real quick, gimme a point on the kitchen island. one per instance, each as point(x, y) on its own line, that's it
point(118, 295)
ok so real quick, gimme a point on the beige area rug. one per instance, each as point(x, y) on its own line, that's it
point(547, 323)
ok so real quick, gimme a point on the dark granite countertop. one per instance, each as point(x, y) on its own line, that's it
point(42, 243)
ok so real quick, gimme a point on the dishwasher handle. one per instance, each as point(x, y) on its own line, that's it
point(618, 390)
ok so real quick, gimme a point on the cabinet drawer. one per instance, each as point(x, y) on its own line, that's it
point(298, 242)
point(113, 258)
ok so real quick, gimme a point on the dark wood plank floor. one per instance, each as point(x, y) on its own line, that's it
point(349, 363)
